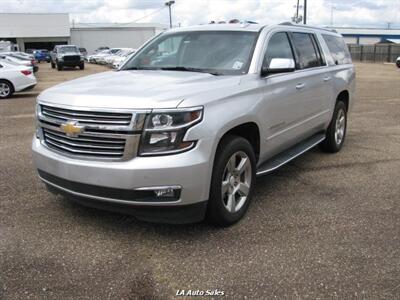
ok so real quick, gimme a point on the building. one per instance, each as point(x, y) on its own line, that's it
point(43, 31)
point(369, 36)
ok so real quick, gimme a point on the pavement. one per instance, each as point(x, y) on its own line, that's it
point(323, 226)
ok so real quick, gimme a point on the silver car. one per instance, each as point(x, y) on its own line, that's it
point(180, 132)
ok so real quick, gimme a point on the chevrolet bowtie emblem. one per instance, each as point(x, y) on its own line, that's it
point(71, 128)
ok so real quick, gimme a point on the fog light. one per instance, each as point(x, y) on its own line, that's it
point(165, 192)
point(162, 193)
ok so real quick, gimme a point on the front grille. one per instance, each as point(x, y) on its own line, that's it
point(72, 58)
point(86, 117)
point(106, 134)
point(84, 145)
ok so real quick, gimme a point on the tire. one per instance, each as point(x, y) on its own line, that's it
point(6, 89)
point(53, 65)
point(59, 67)
point(223, 210)
point(82, 66)
point(398, 64)
point(336, 132)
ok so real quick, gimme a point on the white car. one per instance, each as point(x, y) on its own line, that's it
point(15, 78)
point(122, 54)
point(122, 57)
point(398, 62)
point(102, 58)
point(19, 61)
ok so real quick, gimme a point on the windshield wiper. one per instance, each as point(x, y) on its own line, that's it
point(189, 69)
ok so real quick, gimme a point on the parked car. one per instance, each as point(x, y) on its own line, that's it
point(398, 62)
point(183, 128)
point(83, 51)
point(25, 55)
point(15, 78)
point(42, 55)
point(29, 51)
point(101, 49)
point(95, 57)
point(101, 59)
point(66, 56)
point(123, 55)
point(19, 60)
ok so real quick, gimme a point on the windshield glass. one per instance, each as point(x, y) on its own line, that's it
point(68, 49)
point(217, 52)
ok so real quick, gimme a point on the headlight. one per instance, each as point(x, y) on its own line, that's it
point(164, 131)
point(60, 57)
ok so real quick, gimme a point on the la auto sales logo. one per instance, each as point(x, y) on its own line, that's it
point(186, 293)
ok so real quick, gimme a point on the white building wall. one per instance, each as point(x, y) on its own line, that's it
point(92, 38)
point(34, 25)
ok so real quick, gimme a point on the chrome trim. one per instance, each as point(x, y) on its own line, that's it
point(153, 203)
point(125, 139)
point(156, 188)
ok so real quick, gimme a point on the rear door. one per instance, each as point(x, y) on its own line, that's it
point(314, 90)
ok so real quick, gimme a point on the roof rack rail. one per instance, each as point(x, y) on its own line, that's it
point(307, 26)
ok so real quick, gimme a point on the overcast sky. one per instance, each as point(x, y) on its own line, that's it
point(367, 13)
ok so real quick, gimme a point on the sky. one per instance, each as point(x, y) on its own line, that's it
point(340, 13)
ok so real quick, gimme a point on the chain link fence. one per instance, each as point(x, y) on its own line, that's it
point(375, 53)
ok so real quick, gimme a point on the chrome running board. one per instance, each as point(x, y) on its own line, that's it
point(287, 155)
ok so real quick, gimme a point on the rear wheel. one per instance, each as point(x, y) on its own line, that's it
point(6, 89)
point(232, 182)
point(336, 133)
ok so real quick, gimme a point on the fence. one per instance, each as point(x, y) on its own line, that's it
point(375, 53)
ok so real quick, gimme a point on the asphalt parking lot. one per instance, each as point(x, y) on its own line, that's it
point(324, 226)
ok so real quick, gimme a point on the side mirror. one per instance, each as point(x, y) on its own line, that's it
point(278, 65)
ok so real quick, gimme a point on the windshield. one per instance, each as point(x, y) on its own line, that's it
point(216, 52)
point(68, 49)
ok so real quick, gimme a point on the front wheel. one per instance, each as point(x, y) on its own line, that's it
point(82, 66)
point(336, 131)
point(232, 182)
point(59, 66)
point(53, 65)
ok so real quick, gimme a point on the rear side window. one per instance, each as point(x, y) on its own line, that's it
point(338, 49)
point(278, 47)
point(308, 57)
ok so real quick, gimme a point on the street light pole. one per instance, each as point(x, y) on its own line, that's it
point(305, 12)
point(169, 4)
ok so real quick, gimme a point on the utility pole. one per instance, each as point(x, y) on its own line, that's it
point(169, 4)
point(305, 12)
point(297, 11)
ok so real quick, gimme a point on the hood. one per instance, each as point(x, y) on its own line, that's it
point(136, 89)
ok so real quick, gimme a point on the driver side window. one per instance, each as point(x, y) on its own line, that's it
point(278, 47)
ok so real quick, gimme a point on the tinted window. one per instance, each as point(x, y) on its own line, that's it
point(338, 49)
point(307, 54)
point(278, 47)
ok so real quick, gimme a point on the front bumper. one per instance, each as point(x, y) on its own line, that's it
point(113, 184)
point(73, 63)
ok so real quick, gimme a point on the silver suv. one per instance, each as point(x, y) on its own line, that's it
point(182, 129)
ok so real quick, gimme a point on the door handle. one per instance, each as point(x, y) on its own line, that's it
point(299, 86)
point(327, 78)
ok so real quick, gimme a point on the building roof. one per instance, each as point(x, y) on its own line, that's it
point(116, 25)
point(366, 31)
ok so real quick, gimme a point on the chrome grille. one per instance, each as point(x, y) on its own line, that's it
point(86, 117)
point(107, 134)
point(84, 145)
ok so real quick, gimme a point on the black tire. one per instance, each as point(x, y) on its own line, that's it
point(59, 67)
point(217, 213)
point(53, 65)
point(331, 144)
point(8, 89)
point(398, 64)
point(82, 66)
